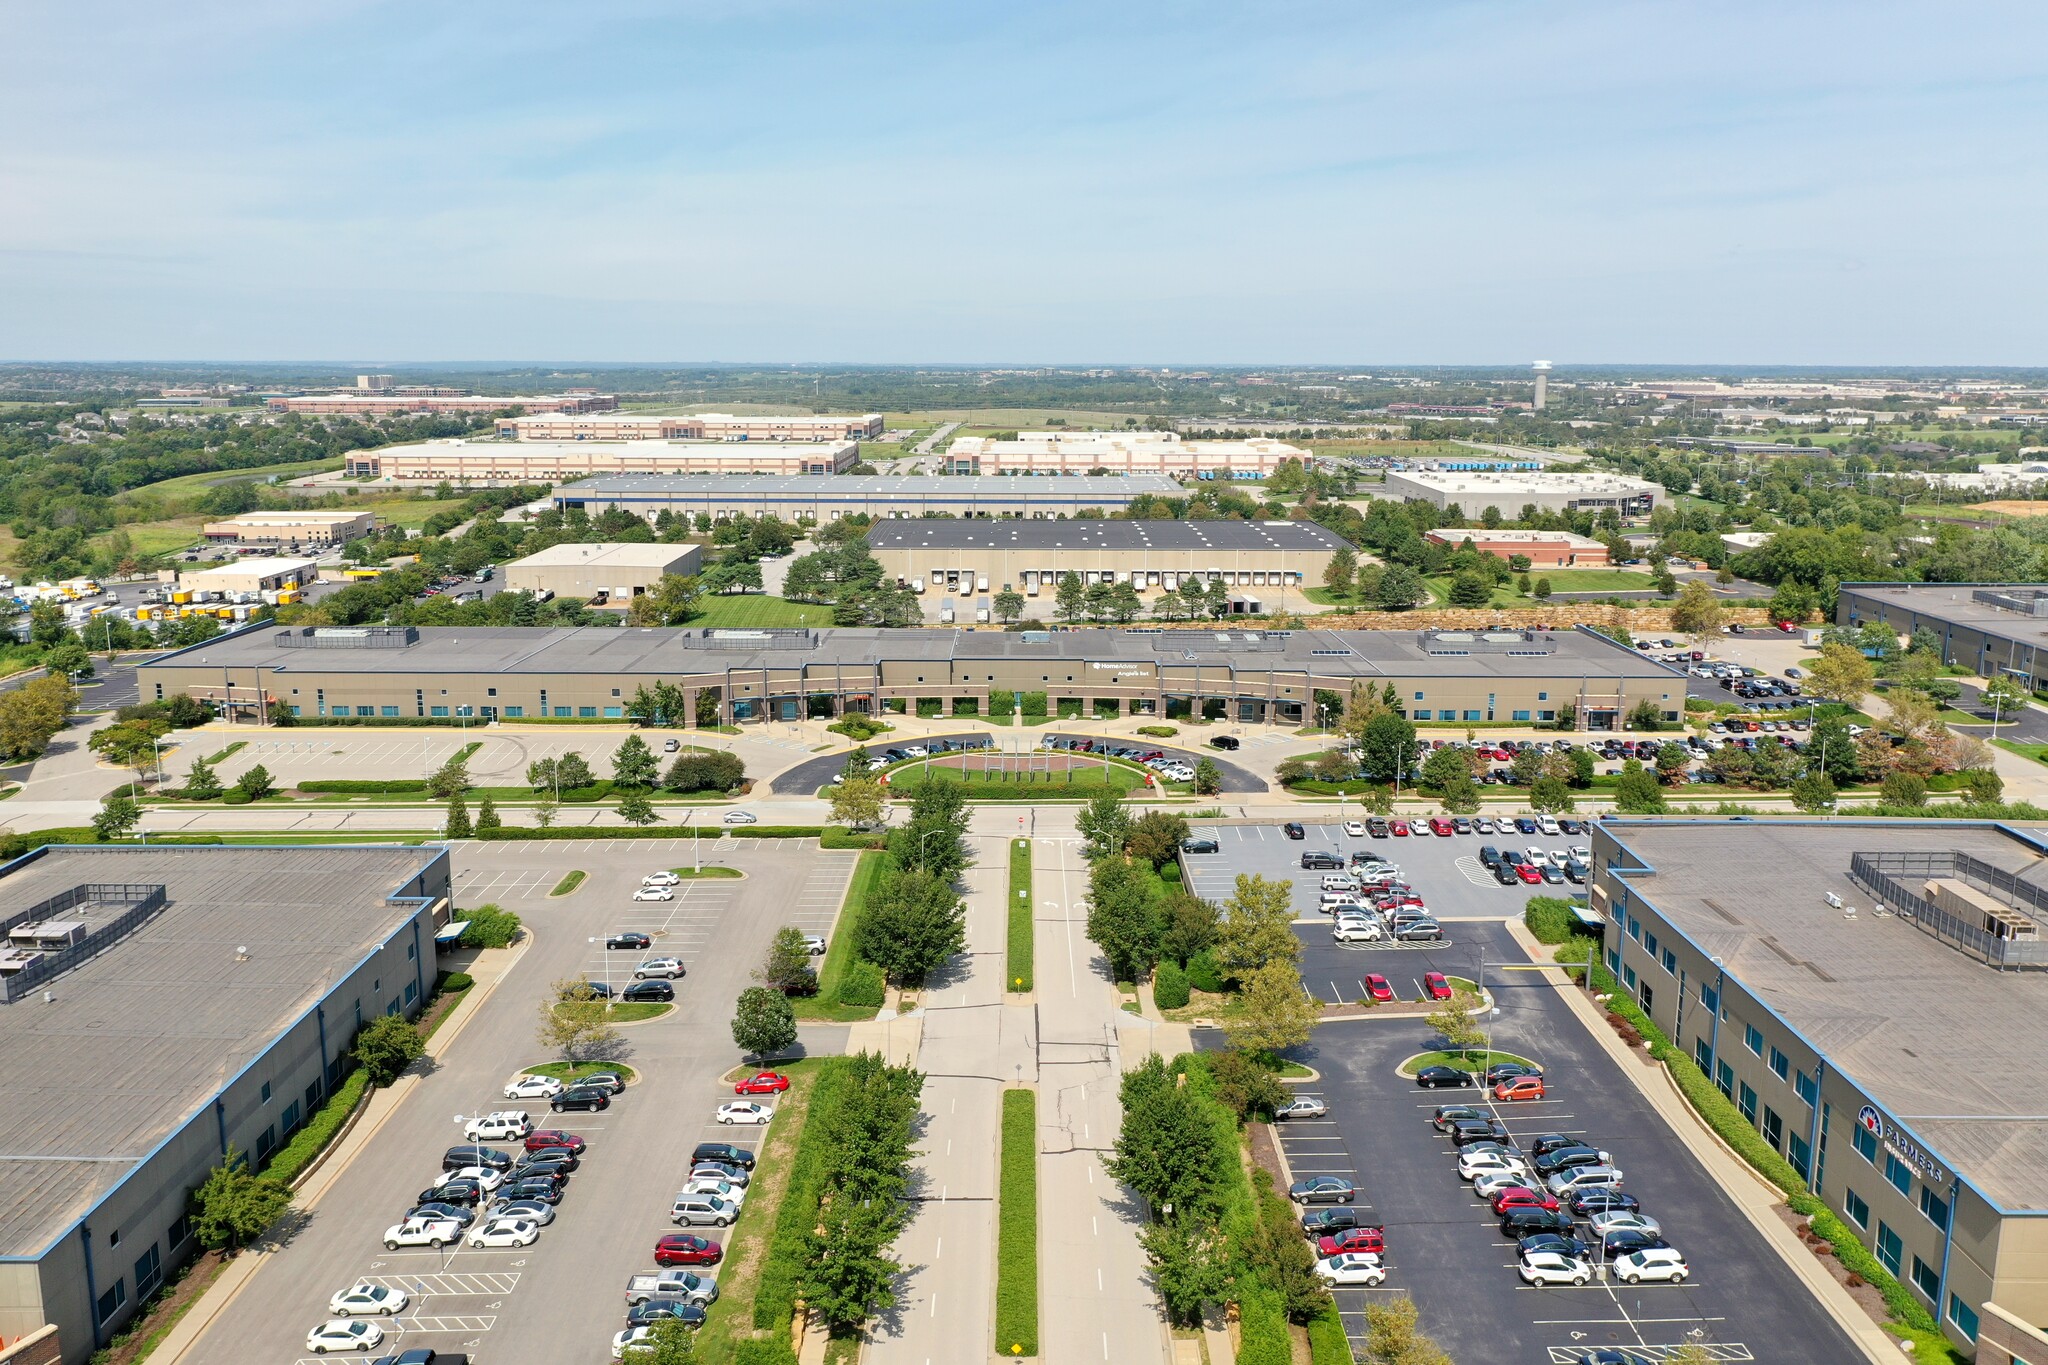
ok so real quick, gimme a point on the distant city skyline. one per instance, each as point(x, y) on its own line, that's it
point(1467, 183)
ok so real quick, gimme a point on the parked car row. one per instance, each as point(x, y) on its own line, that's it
point(1532, 865)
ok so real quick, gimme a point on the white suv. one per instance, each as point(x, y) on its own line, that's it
point(1653, 1263)
point(659, 966)
point(1553, 1267)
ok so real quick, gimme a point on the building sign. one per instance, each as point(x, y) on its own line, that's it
point(1121, 670)
point(1901, 1146)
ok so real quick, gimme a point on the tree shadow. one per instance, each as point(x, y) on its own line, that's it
point(279, 1235)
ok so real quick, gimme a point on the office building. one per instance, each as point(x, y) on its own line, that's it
point(1542, 386)
point(503, 462)
point(827, 498)
point(400, 401)
point(1987, 627)
point(1472, 494)
point(1543, 549)
point(613, 571)
point(592, 673)
point(254, 574)
point(1119, 452)
point(702, 426)
point(295, 530)
point(160, 1008)
point(1871, 998)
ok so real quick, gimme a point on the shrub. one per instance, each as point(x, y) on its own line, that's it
point(341, 785)
point(1327, 1342)
point(1204, 974)
point(295, 1156)
point(863, 984)
point(1550, 919)
point(782, 1269)
point(1169, 986)
point(457, 981)
point(836, 836)
point(386, 1046)
point(235, 798)
point(489, 927)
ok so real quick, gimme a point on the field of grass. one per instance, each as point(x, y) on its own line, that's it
point(757, 609)
point(1561, 580)
point(1019, 959)
point(701, 873)
point(411, 513)
point(567, 1072)
point(1009, 419)
point(839, 952)
point(983, 786)
point(570, 881)
point(1017, 1228)
point(190, 484)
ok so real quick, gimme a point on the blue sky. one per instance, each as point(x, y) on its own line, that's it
point(1445, 182)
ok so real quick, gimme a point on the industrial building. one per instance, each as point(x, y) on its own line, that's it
point(702, 426)
point(294, 530)
point(1871, 997)
point(1266, 564)
point(1472, 494)
point(1543, 549)
point(610, 570)
point(159, 1009)
point(256, 574)
point(1119, 452)
point(1990, 628)
point(1507, 676)
point(398, 402)
point(829, 497)
point(506, 462)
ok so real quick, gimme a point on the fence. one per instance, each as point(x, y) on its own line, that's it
point(1880, 874)
point(143, 899)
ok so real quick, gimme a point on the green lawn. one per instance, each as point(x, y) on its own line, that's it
point(1017, 1228)
point(1561, 580)
point(695, 873)
point(411, 513)
point(839, 950)
point(1465, 1061)
point(2037, 752)
point(999, 785)
point(189, 484)
point(1020, 940)
point(569, 883)
point(757, 609)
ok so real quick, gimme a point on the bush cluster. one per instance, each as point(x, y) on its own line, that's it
point(1169, 985)
point(489, 927)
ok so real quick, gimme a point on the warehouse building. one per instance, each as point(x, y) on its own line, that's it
point(702, 426)
point(1871, 997)
point(608, 570)
point(829, 497)
point(592, 673)
point(256, 574)
point(510, 462)
point(295, 530)
point(159, 1008)
point(1543, 549)
point(1990, 628)
point(1472, 494)
point(1119, 452)
point(1266, 564)
point(398, 402)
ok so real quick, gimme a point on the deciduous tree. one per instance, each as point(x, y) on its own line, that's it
point(1275, 1010)
point(234, 1204)
point(573, 1021)
point(386, 1046)
point(1839, 674)
point(1257, 926)
point(763, 1022)
point(634, 764)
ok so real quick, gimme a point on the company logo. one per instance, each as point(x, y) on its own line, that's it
point(1901, 1146)
point(1871, 1121)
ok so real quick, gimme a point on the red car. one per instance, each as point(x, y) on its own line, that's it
point(1439, 825)
point(687, 1248)
point(1528, 872)
point(1437, 984)
point(1373, 1240)
point(1376, 986)
point(762, 1083)
point(554, 1137)
point(1519, 1088)
point(1522, 1197)
point(1400, 829)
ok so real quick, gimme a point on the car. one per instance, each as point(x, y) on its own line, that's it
point(461, 1193)
point(555, 1167)
point(1351, 1268)
point(628, 941)
point(1623, 1220)
point(532, 1210)
point(1318, 861)
point(1529, 874)
point(587, 1098)
point(1224, 742)
point(484, 1175)
point(1441, 827)
point(1436, 985)
point(344, 1334)
point(744, 817)
point(762, 1083)
point(434, 1208)
point(1448, 1114)
point(1543, 1144)
point(649, 992)
point(1552, 1267)
point(1467, 1132)
point(1473, 1163)
point(1551, 874)
point(1377, 988)
point(1356, 930)
point(1548, 825)
point(555, 1137)
point(367, 1300)
point(654, 893)
point(1501, 1071)
point(497, 1127)
point(1652, 1263)
point(1317, 1223)
point(1507, 874)
point(744, 1111)
point(1419, 828)
point(1588, 1202)
point(1433, 1077)
point(694, 1210)
point(533, 1088)
point(1399, 828)
point(1519, 1088)
point(718, 1188)
point(1619, 1243)
point(421, 1232)
point(1564, 1158)
point(1560, 1242)
point(721, 1170)
point(1417, 931)
point(668, 967)
point(506, 1232)
point(1489, 1187)
point(722, 1151)
point(814, 944)
point(639, 1340)
point(687, 1248)
point(1575, 1178)
point(1367, 1239)
point(599, 990)
point(541, 1188)
point(663, 878)
point(611, 1082)
point(1200, 846)
point(1522, 1197)
point(662, 1307)
point(1355, 828)
point(1293, 829)
point(1518, 1223)
point(1302, 1107)
point(1378, 828)
point(1322, 1189)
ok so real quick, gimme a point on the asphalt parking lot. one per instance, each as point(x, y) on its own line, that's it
point(562, 1298)
point(1443, 1245)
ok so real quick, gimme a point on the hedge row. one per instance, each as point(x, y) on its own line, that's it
point(505, 832)
point(1017, 1228)
point(782, 1269)
point(311, 1140)
point(353, 786)
point(1550, 919)
point(1327, 1342)
point(836, 836)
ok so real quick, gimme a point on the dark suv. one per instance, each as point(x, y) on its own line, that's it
point(1321, 862)
point(722, 1151)
point(582, 1097)
point(1523, 1221)
point(1293, 829)
point(455, 1158)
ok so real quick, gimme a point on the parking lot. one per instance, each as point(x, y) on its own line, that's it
point(1444, 1246)
point(561, 1298)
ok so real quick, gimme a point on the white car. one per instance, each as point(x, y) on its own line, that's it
point(1653, 1263)
point(660, 879)
point(1558, 857)
point(741, 817)
point(636, 1339)
point(1302, 1107)
point(669, 967)
point(1472, 1165)
point(506, 1232)
point(814, 944)
point(532, 1088)
point(344, 1334)
point(1355, 828)
point(735, 1195)
point(1623, 1220)
point(1553, 1267)
point(744, 1111)
point(1491, 1184)
point(915, 751)
point(1582, 855)
point(1356, 931)
point(1420, 829)
point(1350, 1268)
point(498, 1127)
point(530, 1210)
point(488, 1178)
point(1568, 1181)
point(1536, 855)
point(366, 1301)
point(422, 1232)
point(654, 893)
point(1547, 825)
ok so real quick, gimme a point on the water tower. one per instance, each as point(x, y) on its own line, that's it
point(1542, 384)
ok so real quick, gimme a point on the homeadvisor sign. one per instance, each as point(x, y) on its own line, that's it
point(1901, 1146)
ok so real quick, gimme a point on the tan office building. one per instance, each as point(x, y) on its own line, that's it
point(702, 426)
point(829, 497)
point(613, 569)
point(508, 462)
point(1544, 549)
point(296, 530)
point(1473, 493)
point(1119, 452)
point(258, 573)
point(392, 404)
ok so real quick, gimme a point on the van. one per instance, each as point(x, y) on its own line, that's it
point(702, 1210)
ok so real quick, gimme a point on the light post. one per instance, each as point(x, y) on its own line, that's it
point(607, 974)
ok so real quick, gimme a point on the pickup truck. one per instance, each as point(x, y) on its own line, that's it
point(683, 1284)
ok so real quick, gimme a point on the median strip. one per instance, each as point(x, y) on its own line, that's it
point(1017, 1228)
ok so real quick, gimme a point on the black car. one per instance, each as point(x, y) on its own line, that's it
point(1601, 1198)
point(629, 941)
point(1523, 1221)
point(664, 1306)
point(544, 1188)
point(466, 1193)
point(1622, 1241)
point(582, 1097)
point(1489, 855)
point(420, 1355)
point(544, 1170)
point(567, 1157)
point(455, 1158)
point(1200, 846)
point(599, 990)
point(1224, 742)
point(1322, 1222)
point(1465, 1132)
point(1293, 829)
point(1365, 857)
point(1543, 1144)
point(1448, 1114)
point(1505, 874)
point(1321, 862)
point(434, 1208)
point(1570, 827)
point(1430, 1077)
point(1614, 1355)
point(1565, 1158)
point(1378, 828)
point(650, 991)
point(1575, 872)
point(722, 1151)
point(1558, 1242)
point(1501, 1071)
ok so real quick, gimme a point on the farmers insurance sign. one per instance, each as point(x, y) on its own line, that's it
point(1901, 1146)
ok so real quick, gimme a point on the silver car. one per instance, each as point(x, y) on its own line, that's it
point(1302, 1107)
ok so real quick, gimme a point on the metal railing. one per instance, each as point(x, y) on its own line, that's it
point(1881, 874)
point(143, 899)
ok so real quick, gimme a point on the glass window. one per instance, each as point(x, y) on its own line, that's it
point(1747, 1102)
point(1635, 928)
point(1709, 997)
point(312, 1094)
point(1807, 1088)
point(1543, 696)
point(1857, 1209)
point(1774, 1128)
point(1724, 1077)
point(1628, 976)
point(387, 710)
point(366, 710)
point(111, 1301)
point(266, 1143)
point(1898, 1173)
point(1934, 1206)
point(1704, 1055)
point(1781, 1065)
point(1926, 1279)
point(1418, 695)
point(1670, 962)
point(614, 712)
point(1753, 1039)
point(1422, 713)
point(437, 710)
point(1890, 1250)
point(266, 1092)
point(1519, 715)
point(290, 1119)
point(1475, 715)
point(564, 711)
point(1649, 943)
point(515, 712)
point(1963, 1317)
point(1800, 1155)
point(1865, 1143)
point(412, 991)
point(587, 712)
point(1546, 715)
point(149, 1272)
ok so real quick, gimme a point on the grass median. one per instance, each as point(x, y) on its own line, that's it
point(1020, 943)
point(1017, 1228)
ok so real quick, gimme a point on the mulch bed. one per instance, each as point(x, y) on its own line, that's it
point(1266, 1152)
point(1866, 1295)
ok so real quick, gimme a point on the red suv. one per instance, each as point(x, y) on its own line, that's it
point(554, 1137)
point(1373, 1240)
point(1523, 1197)
point(687, 1248)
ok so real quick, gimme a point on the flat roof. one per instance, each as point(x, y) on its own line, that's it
point(678, 448)
point(1933, 1036)
point(1220, 535)
point(139, 1038)
point(1958, 604)
point(1453, 535)
point(605, 554)
point(262, 565)
point(294, 518)
point(636, 650)
point(923, 486)
point(1533, 480)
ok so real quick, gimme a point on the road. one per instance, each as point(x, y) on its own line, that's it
point(806, 778)
point(1096, 1300)
point(931, 443)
